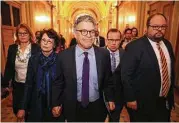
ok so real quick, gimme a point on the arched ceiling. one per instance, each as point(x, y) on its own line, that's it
point(72, 9)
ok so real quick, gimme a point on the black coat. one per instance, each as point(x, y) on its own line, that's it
point(116, 78)
point(101, 41)
point(33, 101)
point(9, 73)
point(66, 83)
point(141, 75)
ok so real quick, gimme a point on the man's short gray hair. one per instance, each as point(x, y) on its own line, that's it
point(84, 18)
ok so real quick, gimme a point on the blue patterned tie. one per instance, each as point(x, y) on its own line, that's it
point(85, 81)
point(113, 62)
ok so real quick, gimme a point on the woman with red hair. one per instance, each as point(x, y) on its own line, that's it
point(17, 62)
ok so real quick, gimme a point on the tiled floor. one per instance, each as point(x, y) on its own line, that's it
point(8, 116)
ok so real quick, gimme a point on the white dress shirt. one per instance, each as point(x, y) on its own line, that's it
point(117, 56)
point(21, 64)
point(167, 56)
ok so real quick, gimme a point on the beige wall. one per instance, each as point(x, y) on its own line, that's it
point(175, 23)
point(41, 9)
point(127, 15)
point(174, 35)
point(33, 9)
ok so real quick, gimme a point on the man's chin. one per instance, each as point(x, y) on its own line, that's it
point(158, 38)
point(88, 46)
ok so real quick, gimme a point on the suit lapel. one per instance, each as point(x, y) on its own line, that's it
point(121, 52)
point(14, 54)
point(169, 51)
point(36, 65)
point(73, 63)
point(98, 64)
point(33, 49)
point(152, 55)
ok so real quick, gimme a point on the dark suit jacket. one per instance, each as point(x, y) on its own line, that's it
point(119, 95)
point(73, 42)
point(101, 41)
point(10, 64)
point(121, 43)
point(32, 101)
point(141, 75)
point(66, 82)
point(116, 78)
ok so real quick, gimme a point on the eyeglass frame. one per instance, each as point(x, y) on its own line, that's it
point(22, 33)
point(114, 40)
point(163, 27)
point(49, 41)
point(86, 33)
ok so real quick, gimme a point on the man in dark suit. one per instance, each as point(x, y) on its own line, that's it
point(83, 71)
point(100, 41)
point(116, 53)
point(127, 38)
point(73, 42)
point(147, 73)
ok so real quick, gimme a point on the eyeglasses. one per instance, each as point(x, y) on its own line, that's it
point(134, 31)
point(22, 33)
point(155, 27)
point(113, 40)
point(85, 32)
point(47, 41)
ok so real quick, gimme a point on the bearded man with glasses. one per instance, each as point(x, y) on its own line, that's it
point(147, 73)
point(83, 72)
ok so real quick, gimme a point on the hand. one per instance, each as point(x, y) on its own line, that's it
point(5, 90)
point(21, 116)
point(8, 89)
point(111, 106)
point(132, 105)
point(56, 111)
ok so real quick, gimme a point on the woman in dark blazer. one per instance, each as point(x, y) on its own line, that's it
point(40, 75)
point(17, 61)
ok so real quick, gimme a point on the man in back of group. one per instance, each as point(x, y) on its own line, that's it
point(147, 73)
point(116, 53)
point(73, 41)
point(127, 38)
point(99, 41)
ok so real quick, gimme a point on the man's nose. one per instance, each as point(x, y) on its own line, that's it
point(160, 28)
point(88, 34)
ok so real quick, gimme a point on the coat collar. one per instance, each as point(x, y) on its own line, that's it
point(151, 52)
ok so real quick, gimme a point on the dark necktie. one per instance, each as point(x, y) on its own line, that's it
point(85, 81)
point(165, 75)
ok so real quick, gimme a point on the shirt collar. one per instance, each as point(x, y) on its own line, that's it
point(79, 51)
point(153, 42)
point(113, 52)
point(28, 48)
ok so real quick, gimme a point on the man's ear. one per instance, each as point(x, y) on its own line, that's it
point(75, 35)
point(106, 41)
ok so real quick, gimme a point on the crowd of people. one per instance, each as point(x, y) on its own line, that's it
point(94, 77)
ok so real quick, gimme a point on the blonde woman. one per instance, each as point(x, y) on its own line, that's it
point(17, 61)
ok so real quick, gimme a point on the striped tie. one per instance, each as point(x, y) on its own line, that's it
point(113, 62)
point(165, 75)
